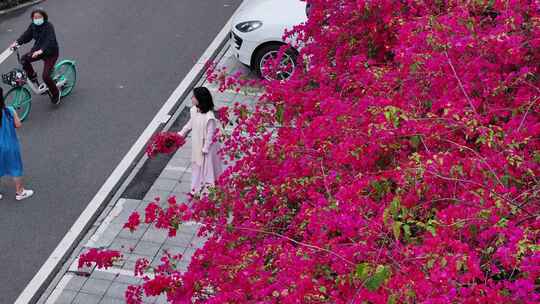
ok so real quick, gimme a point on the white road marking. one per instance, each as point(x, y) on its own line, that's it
point(5, 54)
point(40, 280)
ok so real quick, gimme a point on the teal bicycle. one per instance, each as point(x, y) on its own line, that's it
point(19, 96)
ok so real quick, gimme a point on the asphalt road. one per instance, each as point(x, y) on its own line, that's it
point(131, 55)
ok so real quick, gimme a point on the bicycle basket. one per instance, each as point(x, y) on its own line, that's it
point(15, 78)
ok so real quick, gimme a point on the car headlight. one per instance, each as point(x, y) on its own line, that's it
point(248, 26)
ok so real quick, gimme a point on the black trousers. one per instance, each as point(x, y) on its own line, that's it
point(48, 66)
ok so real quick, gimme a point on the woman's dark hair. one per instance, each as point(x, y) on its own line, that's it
point(41, 12)
point(204, 98)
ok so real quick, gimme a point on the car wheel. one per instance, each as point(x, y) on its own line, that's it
point(264, 57)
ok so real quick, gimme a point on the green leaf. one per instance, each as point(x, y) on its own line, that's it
point(386, 215)
point(431, 229)
point(536, 157)
point(362, 271)
point(396, 229)
point(391, 300)
point(279, 113)
point(382, 273)
point(502, 222)
point(407, 231)
point(415, 141)
point(395, 205)
point(505, 179)
point(322, 289)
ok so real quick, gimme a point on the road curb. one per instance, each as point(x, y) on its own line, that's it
point(124, 169)
point(20, 6)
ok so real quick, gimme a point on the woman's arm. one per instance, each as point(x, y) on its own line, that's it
point(210, 131)
point(26, 36)
point(187, 127)
point(16, 119)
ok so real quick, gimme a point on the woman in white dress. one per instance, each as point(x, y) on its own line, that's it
point(206, 165)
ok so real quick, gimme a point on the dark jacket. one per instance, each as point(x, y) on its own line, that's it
point(44, 37)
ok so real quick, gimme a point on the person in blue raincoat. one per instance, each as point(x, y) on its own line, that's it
point(10, 151)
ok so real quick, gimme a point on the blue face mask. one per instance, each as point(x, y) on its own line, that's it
point(38, 21)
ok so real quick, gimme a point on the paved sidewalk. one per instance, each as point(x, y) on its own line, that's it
point(93, 285)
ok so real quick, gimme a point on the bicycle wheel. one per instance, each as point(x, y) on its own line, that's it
point(66, 73)
point(20, 99)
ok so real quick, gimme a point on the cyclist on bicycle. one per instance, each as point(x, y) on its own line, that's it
point(45, 48)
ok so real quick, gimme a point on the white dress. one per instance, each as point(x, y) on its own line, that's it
point(206, 165)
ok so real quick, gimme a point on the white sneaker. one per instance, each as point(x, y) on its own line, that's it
point(1, 196)
point(25, 194)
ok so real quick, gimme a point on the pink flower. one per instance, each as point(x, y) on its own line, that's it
point(133, 221)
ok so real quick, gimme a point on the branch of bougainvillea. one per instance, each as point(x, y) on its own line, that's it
point(530, 217)
point(459, 82)
point(535, 190)
point(424, 143)
point(296, 242)
point(511, 202)
point(532, 86)
point(526, 113)
point(330, 196)
point(480, 157)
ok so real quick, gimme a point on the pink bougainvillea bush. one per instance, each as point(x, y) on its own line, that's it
point(401, 164)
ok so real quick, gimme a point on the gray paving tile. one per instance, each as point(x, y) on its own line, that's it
point(84, 298)
point(117, 290)
point(172, 250)
point(76, 282)
point(188, 254)
point(151, 195)
point(164, 184)
point(198, 242)
point(180, 160)
point(171, 174)
point(133, 257)
point(147, 248)
point(129, 266)
point(135, 235)
point(123, 245)
point(101, 275)
point(97, 287)
point(181, 197)
point(126, 212)
point(183, 153)
point(131, 280)
point(155, 235)
point(180, 240)
point(184, 186)
point(66, 297)
point(108, 235)
point(112, 301)
point(189, 229)
point(162, 299)
point(183, 265)
point(149, 300)
point(186, 178)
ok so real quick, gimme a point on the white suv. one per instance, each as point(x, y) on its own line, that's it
point(257, 34)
